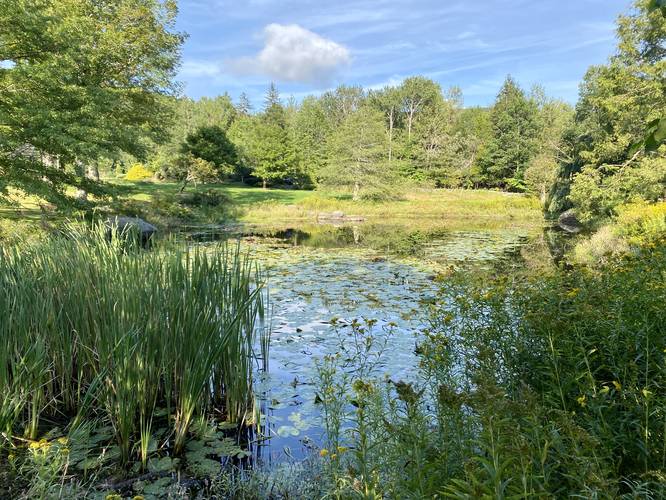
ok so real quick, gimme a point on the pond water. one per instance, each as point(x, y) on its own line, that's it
point(383, 272)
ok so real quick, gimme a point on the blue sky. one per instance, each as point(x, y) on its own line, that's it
point(309, 46)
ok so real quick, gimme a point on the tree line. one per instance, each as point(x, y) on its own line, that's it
point(368, 141)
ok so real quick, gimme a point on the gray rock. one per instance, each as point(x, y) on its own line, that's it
point(126, 226)
point(569, 222)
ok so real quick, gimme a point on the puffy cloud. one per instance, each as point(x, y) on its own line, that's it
point(295, 54)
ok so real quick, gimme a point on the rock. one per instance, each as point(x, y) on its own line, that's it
point(131, 225)
point(339, 216)
point(568, 222)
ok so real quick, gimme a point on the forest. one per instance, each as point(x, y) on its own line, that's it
point(367, 292)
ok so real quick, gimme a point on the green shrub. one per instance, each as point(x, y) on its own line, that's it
point(596, 193)
point(636, 225)
point(208, 198)
point(642, 224)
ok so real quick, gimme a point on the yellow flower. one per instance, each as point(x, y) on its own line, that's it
point(573, 292)
point(137, 497)
point(618, 386)
point(341, 449)
point(113, 496)
point(62, 440)
point(323, 452)
point(581, 400)
point(604, 389)
point(334, 456)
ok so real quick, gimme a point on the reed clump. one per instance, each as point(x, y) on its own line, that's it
point(97, 329)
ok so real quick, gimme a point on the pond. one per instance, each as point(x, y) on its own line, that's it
point(319, 273)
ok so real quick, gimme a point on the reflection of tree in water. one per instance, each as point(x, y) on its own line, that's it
point(559, 243)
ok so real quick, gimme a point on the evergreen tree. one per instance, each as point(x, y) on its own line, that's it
point(513, 143)
point(244, 107)
point(210, 143)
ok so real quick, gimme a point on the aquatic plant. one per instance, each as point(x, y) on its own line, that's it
point(100, 329)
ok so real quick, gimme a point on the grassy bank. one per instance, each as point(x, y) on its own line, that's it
point(257, 205)
point(163, 204)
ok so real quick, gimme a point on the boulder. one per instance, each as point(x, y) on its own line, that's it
point(569, 222)
point(126, 226)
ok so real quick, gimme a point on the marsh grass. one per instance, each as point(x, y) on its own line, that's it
point(102, 330)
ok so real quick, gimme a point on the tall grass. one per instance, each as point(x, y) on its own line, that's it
point(97, 328)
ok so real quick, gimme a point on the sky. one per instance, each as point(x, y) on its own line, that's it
point(310, 46)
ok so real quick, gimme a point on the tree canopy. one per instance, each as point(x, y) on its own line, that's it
point(81, 80)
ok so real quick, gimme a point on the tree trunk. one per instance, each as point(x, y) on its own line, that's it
point(390, 151)
point(263, 183)
point(93, 172)
point(357, 189)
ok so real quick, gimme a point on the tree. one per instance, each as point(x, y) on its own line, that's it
point(617, 103)
point(554, 119)
point(418, 94)
point(356, 156)
point(514, 134)
point(210, 143)
point(342, 102)
point(244, 107)
point(311, 132)
point(81, 80)
point(389, 102)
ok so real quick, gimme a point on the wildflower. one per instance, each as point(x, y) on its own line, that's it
point(573, 292)
point(341, 449)
point(646, 393)
point(581, 400)
point(604, 389)
point(334, 456)
point(618, 386)
point(323, 452)
point(113, 496)
point(62, 440)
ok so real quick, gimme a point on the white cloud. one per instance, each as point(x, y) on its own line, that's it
point(292, 53)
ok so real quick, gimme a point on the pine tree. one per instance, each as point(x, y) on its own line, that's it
point(513, 143)
point(244, 107)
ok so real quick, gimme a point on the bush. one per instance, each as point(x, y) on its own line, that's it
point(596, 193)
point(637, 225)
point(208, 198)
point(138, 172)
point(642, 224)
point(606, 243)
